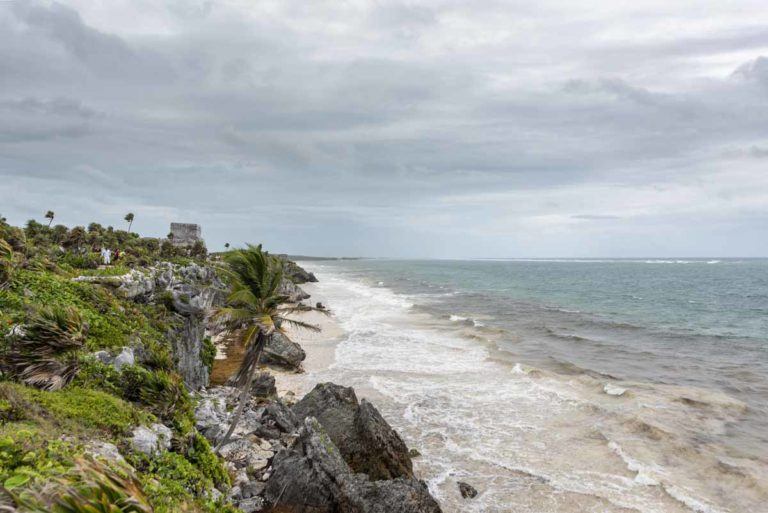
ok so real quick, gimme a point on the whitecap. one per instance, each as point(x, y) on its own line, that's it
point(613, 390)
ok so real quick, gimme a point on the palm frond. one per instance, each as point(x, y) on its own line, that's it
point(300, 324)
point(43, 355)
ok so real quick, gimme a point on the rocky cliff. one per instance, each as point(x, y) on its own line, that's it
point(190, 292)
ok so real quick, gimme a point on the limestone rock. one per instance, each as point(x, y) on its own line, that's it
point(366, 441)
point(151, 440)
point(246, 454)
point(380, 452)
point(126, 357)
point(295, 272)
point(105, 450)
point(293, 292)
point(312, 476)
point(282, 352)
point(263, 385)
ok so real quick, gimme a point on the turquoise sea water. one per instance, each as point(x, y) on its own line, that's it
point(566, 386)
point(691, 322)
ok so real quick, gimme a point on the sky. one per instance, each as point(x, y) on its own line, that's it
point(431, 129)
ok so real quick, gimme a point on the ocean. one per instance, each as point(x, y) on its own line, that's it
point(566, 385)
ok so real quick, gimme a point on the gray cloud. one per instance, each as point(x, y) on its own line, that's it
point(386, 128)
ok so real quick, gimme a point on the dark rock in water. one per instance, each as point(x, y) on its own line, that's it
point(467, 490)
point(263, 385)
point(319, 306)
point(312, 476)
point(414, 453)
point(282, 352)
point(366, 441)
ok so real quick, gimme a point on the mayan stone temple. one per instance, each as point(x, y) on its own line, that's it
point(183, 234)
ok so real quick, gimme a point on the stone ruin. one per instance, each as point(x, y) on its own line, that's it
point(184, 234)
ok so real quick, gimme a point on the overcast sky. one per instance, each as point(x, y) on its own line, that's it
point(405, 129)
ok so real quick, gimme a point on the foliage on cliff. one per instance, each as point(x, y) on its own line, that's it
point(57, 399)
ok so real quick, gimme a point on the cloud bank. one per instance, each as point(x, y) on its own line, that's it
point(406, 129)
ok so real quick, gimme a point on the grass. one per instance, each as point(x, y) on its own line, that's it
point(79, 409)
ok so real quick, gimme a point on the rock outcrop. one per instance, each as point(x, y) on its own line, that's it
point(263, 385)
point(190, 291)
point(282, 352)
point(367, 442)
point(312, 476)
point(291, 291)
point(286, 460)
point(151, 440)
point(295, 272)
point(467, 490)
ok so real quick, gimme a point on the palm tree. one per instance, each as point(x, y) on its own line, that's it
point(44, 355)
point(129, 219)
point(50, 215)
point(226, 245)
point(254, 310)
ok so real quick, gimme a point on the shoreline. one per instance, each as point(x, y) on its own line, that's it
point(320, 347)
point(502, 424)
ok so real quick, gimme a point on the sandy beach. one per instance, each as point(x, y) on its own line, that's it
point(320, 347)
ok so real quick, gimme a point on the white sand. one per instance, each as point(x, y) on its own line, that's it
point(320, 347)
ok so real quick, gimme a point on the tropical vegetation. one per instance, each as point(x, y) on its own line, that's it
point(57, 398)
point(255, 311)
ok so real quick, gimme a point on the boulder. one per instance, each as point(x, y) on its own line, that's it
point(282, 352)
point(151, 440)
point(188, 339)
point(126, 357)
point(380, 452)
point(366, 441)
point(295, 272)
point(399, 495)
point(291, 291)
point(263, 385)
point(246, 454)
point(312, 477)
point(105, 451)
point(467, 491)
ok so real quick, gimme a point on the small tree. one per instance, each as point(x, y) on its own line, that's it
point(129, 218)
point(226, 245)
point(50, 215)
point(255, 309)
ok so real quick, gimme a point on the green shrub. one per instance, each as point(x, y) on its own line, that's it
point(208, 353)
point(27, 456)
point(44, 354)
point(174, 484)
point(95, 488)
point(82, 408)
point(87, 260)
point(202, 456)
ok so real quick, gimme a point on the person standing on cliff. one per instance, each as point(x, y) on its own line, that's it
point(106, 256)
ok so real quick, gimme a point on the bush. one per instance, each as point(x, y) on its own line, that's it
point(98, 489)
point(44, 354)
point(87, 260)
point(78, 408)
point(208, 353)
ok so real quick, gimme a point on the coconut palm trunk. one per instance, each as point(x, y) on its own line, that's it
point(248, 372)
